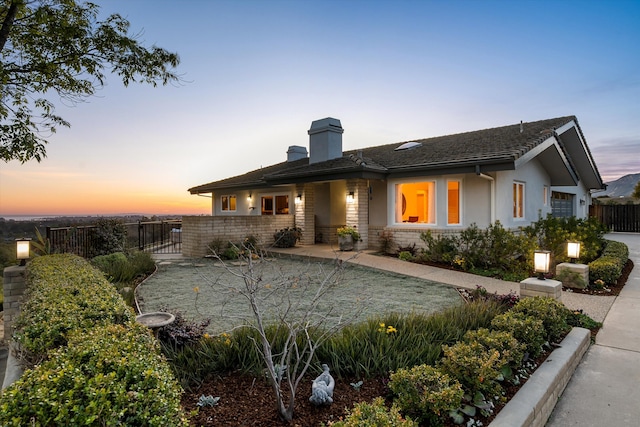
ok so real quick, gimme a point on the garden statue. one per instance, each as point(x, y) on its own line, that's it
point(322, 388)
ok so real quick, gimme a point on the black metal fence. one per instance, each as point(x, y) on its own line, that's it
point(625, 218)
point(150, 236)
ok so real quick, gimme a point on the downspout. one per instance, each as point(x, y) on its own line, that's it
point(493, 192)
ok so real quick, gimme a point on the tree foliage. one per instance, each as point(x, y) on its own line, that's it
point(636, 191)
point(60, 48)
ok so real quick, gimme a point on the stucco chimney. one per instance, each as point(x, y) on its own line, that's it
point(325, 140)
point(296, 152)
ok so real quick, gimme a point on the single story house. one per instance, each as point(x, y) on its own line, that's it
point(514, 174)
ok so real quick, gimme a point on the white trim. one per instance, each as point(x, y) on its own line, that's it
point(229, 196)
point(522, 203)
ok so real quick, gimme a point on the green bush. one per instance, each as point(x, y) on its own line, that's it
point(553, 234)
point(475, 367)
point(405, 256)
point(425, 393)
point(552, 313)
point(442, 248)
point(618, 250)
point(374, 414)
point(511, 351)
point(526, 329)
point(605, 268)
point(112, 375)
point(64, 293)
point(109, 236)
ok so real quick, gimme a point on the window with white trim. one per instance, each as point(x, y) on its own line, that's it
point(518, 200)
point(453, 203)
point(228, 203)
point(545, 195)
point(416, 202)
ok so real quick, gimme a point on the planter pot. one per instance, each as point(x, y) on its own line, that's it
point(345, 242)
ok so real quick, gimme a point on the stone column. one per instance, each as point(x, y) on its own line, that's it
point(305, 214)
point(14, 287)
point(358, 211)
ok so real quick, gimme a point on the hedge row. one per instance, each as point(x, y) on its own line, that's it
point(98, 366)
point(608, 268)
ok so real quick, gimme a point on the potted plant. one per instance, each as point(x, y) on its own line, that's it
point(346, 237)
point(287, 237)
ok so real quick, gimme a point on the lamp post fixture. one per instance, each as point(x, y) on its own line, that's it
point(541, 261)
point(298, 199)
point(350, 197)
point(573, 251)
point(23, 247)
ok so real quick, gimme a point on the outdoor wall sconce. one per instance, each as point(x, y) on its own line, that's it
point(298, 199)
point(541, 261)
point(351, 197)
point(249, 197)
point(23, 247)
point(573, 251)
point(583, 202)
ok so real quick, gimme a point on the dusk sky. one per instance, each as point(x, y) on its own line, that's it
point(257, 73)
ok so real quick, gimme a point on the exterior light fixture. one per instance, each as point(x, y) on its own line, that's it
point(541, 261)
point(351, 197)
point(573, 251)
point(23, 247)
point(298, 199)
point(249, 197)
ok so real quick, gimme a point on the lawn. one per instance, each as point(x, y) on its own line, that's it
point(207, 289)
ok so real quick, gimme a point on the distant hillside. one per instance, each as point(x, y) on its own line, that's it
point(621, 187)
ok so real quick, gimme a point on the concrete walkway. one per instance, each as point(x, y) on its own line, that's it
point(605, 388)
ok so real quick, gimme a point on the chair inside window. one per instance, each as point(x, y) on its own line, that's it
point(413, 219)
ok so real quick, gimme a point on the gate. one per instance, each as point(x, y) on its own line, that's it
point(624, 218)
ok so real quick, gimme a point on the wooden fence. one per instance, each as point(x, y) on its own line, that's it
point(625, 218)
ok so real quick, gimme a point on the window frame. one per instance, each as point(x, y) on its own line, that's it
point(397, 195)
point(519, 198)
point(274, 203)
point(226, 206)
point(459, 207)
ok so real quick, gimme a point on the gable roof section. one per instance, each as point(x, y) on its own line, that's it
point(487, 150)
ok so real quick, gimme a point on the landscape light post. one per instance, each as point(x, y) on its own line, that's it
point(23, 248)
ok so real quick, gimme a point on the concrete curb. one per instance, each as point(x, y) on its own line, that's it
point(534, 402)
point(13, 371)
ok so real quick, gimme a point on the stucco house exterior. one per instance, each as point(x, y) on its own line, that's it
point(513, 174)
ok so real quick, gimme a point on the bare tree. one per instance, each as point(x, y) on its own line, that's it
point(298, 304)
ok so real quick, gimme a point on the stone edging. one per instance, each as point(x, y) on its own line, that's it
point(534, 402)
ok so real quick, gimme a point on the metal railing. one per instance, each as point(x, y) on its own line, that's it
point(149, 236)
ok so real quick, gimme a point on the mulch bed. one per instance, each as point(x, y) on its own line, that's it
point(249, 401)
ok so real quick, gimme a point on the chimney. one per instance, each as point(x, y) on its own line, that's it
point(325, 140)
point(296, 152)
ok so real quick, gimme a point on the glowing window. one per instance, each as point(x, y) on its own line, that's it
point(416, 202)
point(228, 203)
point(518, 200)
point(453, 202)
point(281, 206)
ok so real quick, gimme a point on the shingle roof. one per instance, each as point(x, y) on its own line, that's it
point(497, 146)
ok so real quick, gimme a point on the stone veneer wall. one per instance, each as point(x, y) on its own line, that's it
point(14, 287)
point(200, 231)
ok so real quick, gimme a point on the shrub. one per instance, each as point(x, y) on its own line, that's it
point(425, 393)
point(442, 248)
point(65, 293)
point(386, 242)
point(475, 367)
point(552, 313)
point(348, 231)
point(182, 331)
point(405, 256)
point(605, 268)
point(287, 237)
point(618, 250)
point(111, 375)
point(374, 414)
point(526, 329)
point(511, 351)
point(108, 237)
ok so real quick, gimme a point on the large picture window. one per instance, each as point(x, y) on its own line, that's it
point(228, 203)
point(453, 202)
point(275, 205)
point(518, 200)
point(416, 202)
